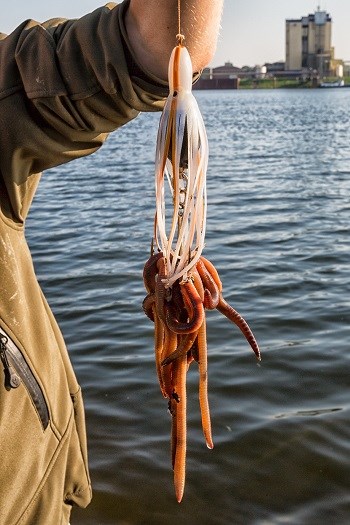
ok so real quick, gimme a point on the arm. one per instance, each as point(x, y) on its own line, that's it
point(152, 27)
point(64, 85)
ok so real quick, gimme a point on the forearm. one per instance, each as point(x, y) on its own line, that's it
point(153, 25)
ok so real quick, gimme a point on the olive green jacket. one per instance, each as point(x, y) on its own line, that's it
point(64, 86)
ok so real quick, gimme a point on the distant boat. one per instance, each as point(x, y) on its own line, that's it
point(335, 84)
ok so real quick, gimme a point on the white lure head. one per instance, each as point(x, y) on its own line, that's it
point(180, 70)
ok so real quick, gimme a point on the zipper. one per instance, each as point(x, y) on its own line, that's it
point(17, 371)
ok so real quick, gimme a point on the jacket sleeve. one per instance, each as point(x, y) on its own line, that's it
point(64, 85)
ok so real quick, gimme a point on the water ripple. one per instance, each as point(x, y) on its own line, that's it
point(278, 221)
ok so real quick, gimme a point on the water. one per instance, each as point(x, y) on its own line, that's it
point(278, 221)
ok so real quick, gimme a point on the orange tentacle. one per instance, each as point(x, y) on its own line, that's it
point(172, 405)
point(242, 324)
point(194, 307)
point(176, 304)
point(197, 281)
point(150, 271)
point(147, 305)
point(213, 272)
point(203, 385)
point(158, 349)
point(160, 290)
point(211, 291)
point(180, 372)
point(185, 345)
point(170, 345)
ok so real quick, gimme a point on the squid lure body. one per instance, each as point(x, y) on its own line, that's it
point(182, 159)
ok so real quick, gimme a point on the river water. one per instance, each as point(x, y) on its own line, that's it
point(278, 233)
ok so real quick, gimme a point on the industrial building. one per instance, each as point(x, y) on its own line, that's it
point(309, 44)
point(309, 60)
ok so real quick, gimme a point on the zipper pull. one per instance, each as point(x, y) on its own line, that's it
point(12, 380)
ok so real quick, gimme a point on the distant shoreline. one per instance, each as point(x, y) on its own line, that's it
point(265, 83)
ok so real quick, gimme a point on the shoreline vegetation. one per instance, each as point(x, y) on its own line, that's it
point(266, 83)
point(278, 83)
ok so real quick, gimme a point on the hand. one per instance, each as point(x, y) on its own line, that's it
point(152, 27)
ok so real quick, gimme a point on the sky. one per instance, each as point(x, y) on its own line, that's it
point(252, 32)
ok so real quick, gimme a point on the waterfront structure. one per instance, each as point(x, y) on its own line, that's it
point(309, 60)
point(346, 68)
point(309, 43)
point(228, 70)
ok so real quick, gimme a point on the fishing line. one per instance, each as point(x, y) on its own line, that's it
point(180, 37)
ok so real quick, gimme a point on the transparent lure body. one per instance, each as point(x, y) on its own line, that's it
point(180, 173)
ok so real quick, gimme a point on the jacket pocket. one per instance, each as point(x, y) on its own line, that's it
point(17, 371)
point(78, 484)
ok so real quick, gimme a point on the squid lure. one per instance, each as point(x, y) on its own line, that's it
point(182, 159)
